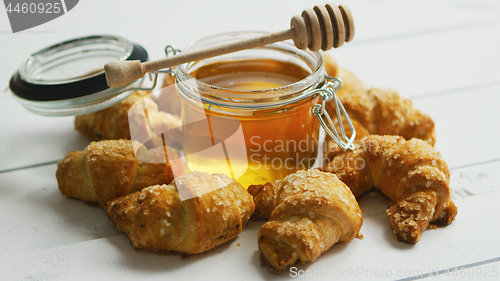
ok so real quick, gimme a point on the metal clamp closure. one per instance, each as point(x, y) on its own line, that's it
point(327, 94)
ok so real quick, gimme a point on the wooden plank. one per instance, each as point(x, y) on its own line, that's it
point(488, 270)
point(377, 255)
point(30, 139)
point(430, 63)
point(441, 53)
point(49, 235)
point(37, 216)
point(466, 124)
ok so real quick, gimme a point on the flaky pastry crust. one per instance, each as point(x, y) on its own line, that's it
point(308, 211)
point(109, 169)
point(410, 173)
point(157, 219)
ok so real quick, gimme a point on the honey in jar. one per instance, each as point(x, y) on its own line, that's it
point(248, 114)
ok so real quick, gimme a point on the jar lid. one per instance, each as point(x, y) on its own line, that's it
point(68, 78)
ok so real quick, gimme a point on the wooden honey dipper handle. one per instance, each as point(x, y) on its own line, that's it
point(317, 28)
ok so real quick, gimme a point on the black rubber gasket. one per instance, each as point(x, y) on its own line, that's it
point(89, 86)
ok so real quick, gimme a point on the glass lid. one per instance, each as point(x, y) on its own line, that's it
point(68, 78)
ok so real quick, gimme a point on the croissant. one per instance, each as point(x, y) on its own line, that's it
point(157, 219)
point(378, 111)
point(308, 211)
point(109, 169)
point(117, 121)
point(410, 173)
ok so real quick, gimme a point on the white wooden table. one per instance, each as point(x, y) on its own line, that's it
point(442, 54)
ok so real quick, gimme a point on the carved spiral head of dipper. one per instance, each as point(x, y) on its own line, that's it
point(323, 27)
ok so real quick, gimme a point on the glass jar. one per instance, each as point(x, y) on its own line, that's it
point(248, 114)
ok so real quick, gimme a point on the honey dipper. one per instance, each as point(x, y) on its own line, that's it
point(322, 27)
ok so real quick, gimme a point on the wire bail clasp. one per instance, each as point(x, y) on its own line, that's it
point(327, 93)
point(153, 76)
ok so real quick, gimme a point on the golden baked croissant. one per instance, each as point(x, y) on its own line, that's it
point(308, 212)
point(157, 219)
point(411, 173)
point(378, 111)
point(113, 122)
point(109, 169)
